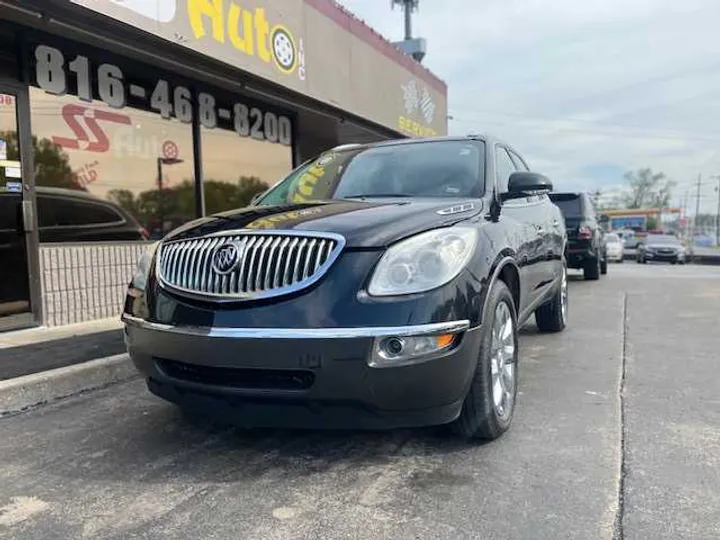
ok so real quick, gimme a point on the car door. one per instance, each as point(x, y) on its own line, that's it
point(548, 244)
point(598, 228)
point(522, 220)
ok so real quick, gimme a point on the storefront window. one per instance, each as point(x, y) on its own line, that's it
point(237, 168)
point(108, 166)
point(127, 174)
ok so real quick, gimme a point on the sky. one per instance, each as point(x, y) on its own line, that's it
point(585, 89)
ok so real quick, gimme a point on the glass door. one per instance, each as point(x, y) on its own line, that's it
point(15, 215)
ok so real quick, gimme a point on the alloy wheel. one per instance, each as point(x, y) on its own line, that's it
point(564, 295)
point(502, 361)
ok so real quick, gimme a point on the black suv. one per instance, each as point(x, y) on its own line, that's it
point(586, 237)
point(376, 286)
point(64, 215)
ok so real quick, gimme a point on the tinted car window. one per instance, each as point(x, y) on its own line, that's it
point(612, 238)
point(569, 204)
point(68, 212)
point(656, 239)
point(427, 169)
point(504, 167)
point(8, 212)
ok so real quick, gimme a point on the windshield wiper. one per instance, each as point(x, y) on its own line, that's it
point(376, 195)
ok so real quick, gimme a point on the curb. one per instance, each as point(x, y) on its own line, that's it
point(29, 391)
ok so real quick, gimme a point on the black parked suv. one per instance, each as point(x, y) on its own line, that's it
point(586, 238)
point(64, 215)
point(376, 286)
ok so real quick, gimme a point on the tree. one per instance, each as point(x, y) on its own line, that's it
point(52, 165)
point(221, 196)
point(647, 189)
point(176, 204)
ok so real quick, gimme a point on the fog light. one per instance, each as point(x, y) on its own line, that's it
point(398, 351)
point(393, 346)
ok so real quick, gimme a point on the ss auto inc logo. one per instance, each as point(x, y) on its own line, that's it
point(94, 141)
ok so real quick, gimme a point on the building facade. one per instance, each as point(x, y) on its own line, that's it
point(121, 120)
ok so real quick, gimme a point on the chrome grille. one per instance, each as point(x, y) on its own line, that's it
point(261, 264)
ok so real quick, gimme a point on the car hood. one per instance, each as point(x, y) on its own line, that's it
point(663, 246)
point(364, 223)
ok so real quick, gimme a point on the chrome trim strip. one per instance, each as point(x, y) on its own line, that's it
point(457, 209)
point(450, 327)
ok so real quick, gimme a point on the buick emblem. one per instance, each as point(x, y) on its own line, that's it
point(226, 257)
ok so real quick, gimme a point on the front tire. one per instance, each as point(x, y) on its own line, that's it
point(489, 406)
point(604, 266)
point(552, 317)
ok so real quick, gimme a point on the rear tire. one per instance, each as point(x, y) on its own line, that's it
point(552, 317)
point(592, 269)
point(483, 415)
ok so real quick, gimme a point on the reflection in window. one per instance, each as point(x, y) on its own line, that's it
point(127, 173)
point(237, 168)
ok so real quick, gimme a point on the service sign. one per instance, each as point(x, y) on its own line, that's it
point(310, 46)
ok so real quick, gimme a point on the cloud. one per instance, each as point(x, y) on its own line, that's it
point(585, 89)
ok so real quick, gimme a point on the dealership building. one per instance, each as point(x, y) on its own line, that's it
point(122, 119)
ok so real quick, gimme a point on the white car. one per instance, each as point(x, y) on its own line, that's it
point(615, 246)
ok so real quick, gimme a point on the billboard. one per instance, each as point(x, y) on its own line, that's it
point(286, 42)
point(628, 222)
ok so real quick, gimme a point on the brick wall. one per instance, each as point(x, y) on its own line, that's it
point(83, 282)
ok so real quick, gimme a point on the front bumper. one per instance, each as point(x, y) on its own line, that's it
point(316, 377)
point(663, 257)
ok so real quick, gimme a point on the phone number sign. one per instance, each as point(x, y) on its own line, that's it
point(55, 73)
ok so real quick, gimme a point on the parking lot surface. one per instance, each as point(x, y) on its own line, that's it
point(616, 435)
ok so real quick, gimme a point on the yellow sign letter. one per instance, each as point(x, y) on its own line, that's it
point(197, 9)
point(263, 32)
point(246, 43)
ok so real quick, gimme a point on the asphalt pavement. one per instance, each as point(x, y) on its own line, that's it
point(615, 436)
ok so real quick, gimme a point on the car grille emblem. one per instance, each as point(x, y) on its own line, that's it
point(226, 257)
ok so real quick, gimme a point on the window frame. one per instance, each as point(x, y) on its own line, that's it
point(498, 148)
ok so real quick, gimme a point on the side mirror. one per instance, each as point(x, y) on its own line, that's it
point(524, 184)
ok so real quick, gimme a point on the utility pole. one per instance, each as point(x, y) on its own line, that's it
point(408, 6)
point(411, 46)
point(697, 206)
point(717, 216)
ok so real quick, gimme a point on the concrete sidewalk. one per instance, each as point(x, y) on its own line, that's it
point(35, 350)
point(40, 365)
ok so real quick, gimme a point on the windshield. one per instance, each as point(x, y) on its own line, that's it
point(656, 239)
point(423, 169)
point(612, 239)
point(569, 204)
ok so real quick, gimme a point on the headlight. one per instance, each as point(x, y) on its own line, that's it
point(142, 269)
point(423, 262)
